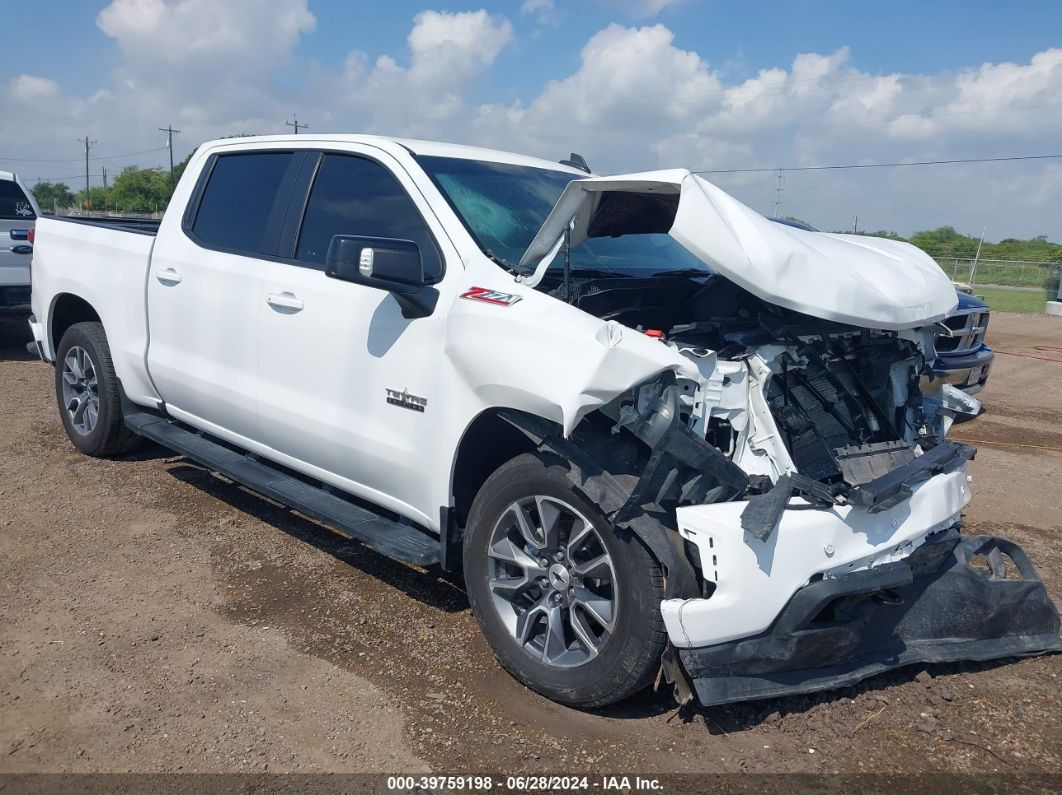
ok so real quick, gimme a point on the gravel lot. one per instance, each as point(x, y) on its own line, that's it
point(156, 618)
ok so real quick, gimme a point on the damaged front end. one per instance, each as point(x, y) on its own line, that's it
point(840, 557)
point(817, 505)
point(799, 472)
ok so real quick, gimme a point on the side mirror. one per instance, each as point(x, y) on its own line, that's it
point(385, 264)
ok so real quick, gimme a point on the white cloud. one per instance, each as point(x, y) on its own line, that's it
point(26, 88)
point(447, 52)
point(647, 8)
point(544, 12)
point(533, 6)
point(179, 33)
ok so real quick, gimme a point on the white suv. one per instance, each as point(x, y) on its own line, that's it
point(18, 216)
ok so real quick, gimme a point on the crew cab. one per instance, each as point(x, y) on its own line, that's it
point(18, 215)
point(658, 432)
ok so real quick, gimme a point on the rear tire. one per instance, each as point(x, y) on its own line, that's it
point(577, 620)
point(86, 389)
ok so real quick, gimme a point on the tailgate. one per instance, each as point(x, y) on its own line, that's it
point(17, 217)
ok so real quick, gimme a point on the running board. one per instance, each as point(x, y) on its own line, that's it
point(386, 536)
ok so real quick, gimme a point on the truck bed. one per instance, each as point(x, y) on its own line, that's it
point(104, 263)
point(140, 226)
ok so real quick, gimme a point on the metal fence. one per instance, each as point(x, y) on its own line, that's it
point(1003, 272)
point(78, 211)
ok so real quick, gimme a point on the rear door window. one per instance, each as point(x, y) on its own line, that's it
point(357, 196)
point(14, 205)
point(243, 204)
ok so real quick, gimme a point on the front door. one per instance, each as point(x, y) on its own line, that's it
point(348, 386)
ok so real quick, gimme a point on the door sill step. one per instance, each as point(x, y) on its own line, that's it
point(387, 536)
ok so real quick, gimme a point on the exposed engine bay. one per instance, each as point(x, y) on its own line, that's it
point(846, 404)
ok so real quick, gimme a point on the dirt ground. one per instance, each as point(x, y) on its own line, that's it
point(156, 618)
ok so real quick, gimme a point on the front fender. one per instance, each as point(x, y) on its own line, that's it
point(550, 359)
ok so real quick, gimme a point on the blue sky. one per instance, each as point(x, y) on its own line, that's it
point(633, 84)
point(59, 38)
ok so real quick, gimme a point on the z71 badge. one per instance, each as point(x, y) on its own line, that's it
point(488, 296)
point(405, 400)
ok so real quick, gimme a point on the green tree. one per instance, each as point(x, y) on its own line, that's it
point(178, 170)
point(140, 190)
point(97, 199)
point(945, 242)
point(49, 195)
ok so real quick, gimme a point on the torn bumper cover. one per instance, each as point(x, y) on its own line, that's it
point(934, 606)
point(834, 594)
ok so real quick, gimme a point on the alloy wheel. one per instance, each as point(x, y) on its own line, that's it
point(552, 581)
point(81, 396)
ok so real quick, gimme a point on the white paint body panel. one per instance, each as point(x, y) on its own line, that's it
point(755, 579)
point(106, 268)
point(864, 281)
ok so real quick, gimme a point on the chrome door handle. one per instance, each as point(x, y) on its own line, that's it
point(284, 300)
point(22, 248)
point(168, 276)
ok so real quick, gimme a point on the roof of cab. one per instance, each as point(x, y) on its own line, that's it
point(7, 175)
point(417, 147)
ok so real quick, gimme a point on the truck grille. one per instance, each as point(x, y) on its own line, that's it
point(968, 332)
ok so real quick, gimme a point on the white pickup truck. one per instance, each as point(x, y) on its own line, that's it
point(655, 429)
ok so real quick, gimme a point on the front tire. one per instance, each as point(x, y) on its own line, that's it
point(86, 389)
point(569, 605)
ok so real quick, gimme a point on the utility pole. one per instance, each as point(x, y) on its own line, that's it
point(168, 129)
point(779, 186)
point(105, 178)
point(88, 144)
point(296, 124)
point(855, 226)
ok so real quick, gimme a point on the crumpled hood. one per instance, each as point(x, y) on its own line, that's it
point(864, 281)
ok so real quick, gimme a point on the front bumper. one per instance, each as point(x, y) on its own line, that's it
point(933, 606)
point(968, 371)
point(752, 580)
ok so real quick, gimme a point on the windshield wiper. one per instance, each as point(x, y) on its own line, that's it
point(504, 263)
point(684, 272)
point(599, 272)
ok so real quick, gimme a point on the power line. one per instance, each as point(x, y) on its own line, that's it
point(877, 165)
point(78, 159)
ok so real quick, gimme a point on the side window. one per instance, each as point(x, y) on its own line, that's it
point(14, 206)
point(241, 209)
point(355, 196)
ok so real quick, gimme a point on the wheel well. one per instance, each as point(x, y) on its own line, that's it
point(488, 443)
point(67, 310)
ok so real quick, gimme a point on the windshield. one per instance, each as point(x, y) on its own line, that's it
point(504, 206)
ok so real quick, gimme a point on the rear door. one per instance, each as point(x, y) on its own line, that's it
point(334, 354)
point(17, 216)
point(203, 290)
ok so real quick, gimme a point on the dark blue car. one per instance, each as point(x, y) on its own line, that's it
point(963, 359)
